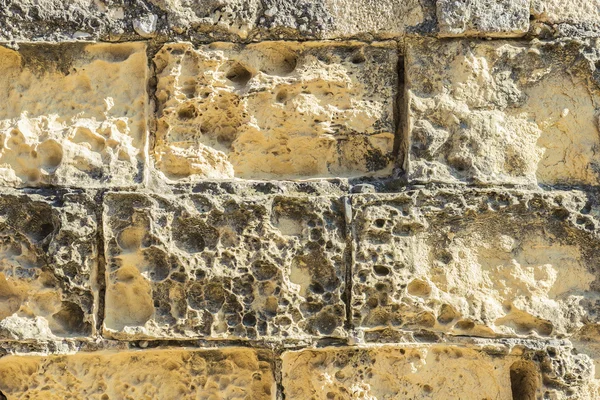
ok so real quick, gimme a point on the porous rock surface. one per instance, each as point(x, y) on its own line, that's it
point(234, 373)
point(275, 199)
point(73, 114)
point(503, 112)
point(484, 263)
point(275, 110)
point(48, 263)
point(224, 267)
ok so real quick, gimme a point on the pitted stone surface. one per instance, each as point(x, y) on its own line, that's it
point(321, 19)
point(233, 373)
point(275, 110)
point(495, 18)
point(502, 112)
point(489, 263)
point(73, 115)
point(573, 18)
point(435, 372)
point(48, 259)
point(224, 266)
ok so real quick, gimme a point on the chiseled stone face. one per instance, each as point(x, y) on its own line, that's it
point(224, 266)
point(500, 112)
point(569, 17)
point(73, 114)
point(233, 373)
point(275, 110)
point(489, 263)
point(411, 372)
point(500, 18)
point(48, 258)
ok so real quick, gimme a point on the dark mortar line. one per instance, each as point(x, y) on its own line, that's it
point(101, 264)
point(348, 261)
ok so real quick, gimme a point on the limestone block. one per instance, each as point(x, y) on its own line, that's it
point(480, 263)
point(570, 17)
point(275, 110)
point(322, 19)
point(48, 259)
point(499, 112)
point(492, 18)
point(439, 371)
point(73, 114)
point(58, 20)
point(268, 267)
point(233, 373)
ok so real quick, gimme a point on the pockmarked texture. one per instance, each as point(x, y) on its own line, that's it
point(495, 18)
point(500, 112)
point(574, 18)
point(267, 267)
point(481, 263)
point(233, 373)
point(321, 19)
point(275, 110)
point(73, 114)
point(48, 259)
point(436, 371)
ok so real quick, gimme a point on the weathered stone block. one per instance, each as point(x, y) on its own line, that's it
point(275, 110)
point(48, 260)
point(322, 19)
point(73, 114)
point(233, 373)
point(492, 18)
point(489, 263)
point(502, 112)
point(569, 17)
point(438, 371)
point(224, 266)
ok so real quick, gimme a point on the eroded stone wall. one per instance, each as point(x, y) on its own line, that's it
point(332, 199)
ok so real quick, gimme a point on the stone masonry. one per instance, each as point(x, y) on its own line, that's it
point(308, 199)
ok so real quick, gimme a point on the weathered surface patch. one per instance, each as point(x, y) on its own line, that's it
point(275, 110)
point(74, 114)
point(234, 373)
point(435, 372)
point(503, 112)
point(48, 259)
point(488, 263)
point(224, 267)
point(498, 18)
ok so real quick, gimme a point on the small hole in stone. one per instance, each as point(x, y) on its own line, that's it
point(524, 380)
point(381, 270)
point(281, 96)
point(380, 223)
point(187, 112)
point(358, 58)
point(238, 74)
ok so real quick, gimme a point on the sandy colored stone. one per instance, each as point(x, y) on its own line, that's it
point(438, 371)
point(224, 266)
point(500, 112)
point(73, 114)
point(322, 19)
point(491, 18)
point(482, 263)
point(569, 17)
point(233, 373)
point(48, 260)
point(275, 110)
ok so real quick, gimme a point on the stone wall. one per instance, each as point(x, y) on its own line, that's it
point(331, 199)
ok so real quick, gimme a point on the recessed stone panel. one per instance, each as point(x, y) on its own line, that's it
point(275, 110)
point(48, 259)
point(224, 266)
point(233, 373)
point(490, 263)
point(73, 114)
point(499, 112)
